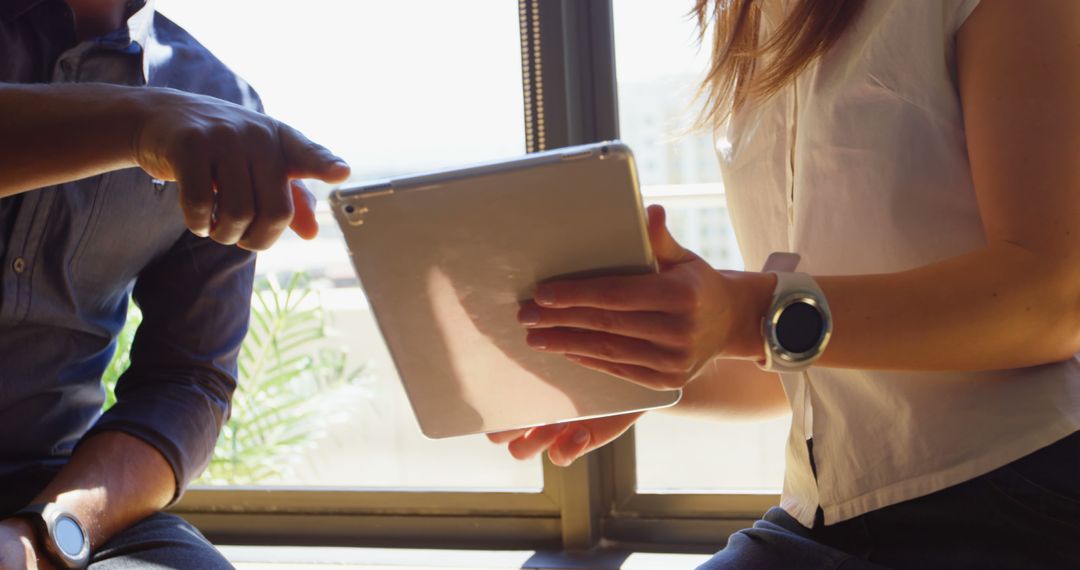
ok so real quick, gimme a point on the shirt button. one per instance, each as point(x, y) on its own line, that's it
point(19, 265)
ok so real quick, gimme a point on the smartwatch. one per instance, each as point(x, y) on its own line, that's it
point(797, 327)
point(60, 533)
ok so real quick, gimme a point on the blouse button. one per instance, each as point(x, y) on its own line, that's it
point(19, 265)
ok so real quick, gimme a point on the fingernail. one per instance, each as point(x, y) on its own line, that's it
point(580, 437)
point(536, 341)
point(529, 316)
point(544, 295)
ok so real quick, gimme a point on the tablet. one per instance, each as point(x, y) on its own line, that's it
point(446, 259)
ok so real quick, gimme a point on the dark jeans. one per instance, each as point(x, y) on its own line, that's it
point(1023, 515)
point(160, 541)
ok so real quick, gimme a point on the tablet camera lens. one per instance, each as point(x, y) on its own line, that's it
point(354, 214)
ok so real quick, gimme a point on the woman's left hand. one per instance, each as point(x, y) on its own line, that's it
point(656, 330)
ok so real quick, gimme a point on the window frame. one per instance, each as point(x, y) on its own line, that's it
point(569, 80)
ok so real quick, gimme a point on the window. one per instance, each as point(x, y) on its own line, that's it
point(372, 81)
point(659, 70)
point(404, 87)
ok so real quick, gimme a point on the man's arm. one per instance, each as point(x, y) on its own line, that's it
point(112, 481)
point(233, 165)
point(196, 302)
point(50, 134)
point(172, 400)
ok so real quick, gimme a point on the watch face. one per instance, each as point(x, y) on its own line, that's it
point(800, 327)
point(69, 536)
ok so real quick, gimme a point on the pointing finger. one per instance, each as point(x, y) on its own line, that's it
point(304, 222)
point(306, 159)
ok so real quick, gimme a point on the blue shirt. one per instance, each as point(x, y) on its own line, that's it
point(72, 254)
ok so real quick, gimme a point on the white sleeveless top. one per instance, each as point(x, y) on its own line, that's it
point(861, 167)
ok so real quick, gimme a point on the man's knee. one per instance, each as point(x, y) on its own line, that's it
point(159, 541)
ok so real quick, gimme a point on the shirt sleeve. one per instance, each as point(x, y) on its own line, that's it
point(175, 396)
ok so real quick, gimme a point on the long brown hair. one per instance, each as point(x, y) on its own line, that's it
point(744, 69)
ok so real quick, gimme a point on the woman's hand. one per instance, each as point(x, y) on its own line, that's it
point(565, 442)
point(655, 330)
point(236, 168)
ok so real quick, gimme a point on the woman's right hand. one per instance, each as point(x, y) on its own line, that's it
point(565, 442)
point(237, 169)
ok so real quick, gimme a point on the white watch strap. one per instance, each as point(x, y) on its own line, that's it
point(788, 283)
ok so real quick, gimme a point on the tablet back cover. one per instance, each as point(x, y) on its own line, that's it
point(446, 259)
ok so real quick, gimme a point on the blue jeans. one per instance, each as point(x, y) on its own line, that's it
point(1023, 515)
point(159, 541)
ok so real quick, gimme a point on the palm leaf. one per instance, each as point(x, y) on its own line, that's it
point(281, 406)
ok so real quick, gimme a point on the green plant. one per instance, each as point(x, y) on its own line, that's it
point(122, 358)
point(288, 385)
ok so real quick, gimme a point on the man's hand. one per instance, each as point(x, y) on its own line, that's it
point(565, 442)
point(17, 547)
point(234, 167)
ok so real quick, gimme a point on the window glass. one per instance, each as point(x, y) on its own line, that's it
point(659, 69)
point(394, 88)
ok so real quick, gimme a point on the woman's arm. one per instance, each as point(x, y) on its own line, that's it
point(1013, 303)
point(1016, 302)
point(732, 390)
point(233, 164)
point(725, 390)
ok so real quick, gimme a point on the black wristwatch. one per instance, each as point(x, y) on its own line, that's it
point(60, 533)
point(797, 327)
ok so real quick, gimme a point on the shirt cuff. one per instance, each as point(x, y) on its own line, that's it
point(181, 421)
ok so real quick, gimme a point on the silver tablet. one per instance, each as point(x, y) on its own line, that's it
point(445, 260)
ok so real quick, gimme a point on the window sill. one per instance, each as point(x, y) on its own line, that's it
point(314, 558)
